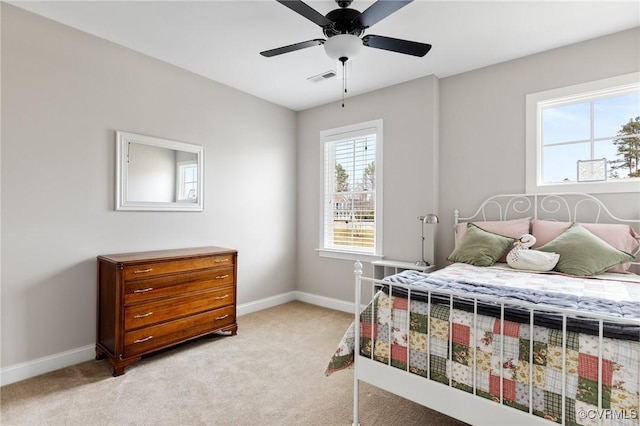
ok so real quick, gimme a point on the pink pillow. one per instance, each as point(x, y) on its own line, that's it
point(617, 235)
point(515, 228)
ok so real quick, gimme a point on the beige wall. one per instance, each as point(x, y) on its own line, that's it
point(409, 113)
point(64, 94)
point(482, 121)
point(448, 144)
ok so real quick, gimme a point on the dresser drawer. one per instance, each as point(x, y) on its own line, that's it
point(176, 285)
point(157, 336)
point(142, 315)
point(144, 270)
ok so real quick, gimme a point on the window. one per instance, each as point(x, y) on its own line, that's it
point(351, 205)
point(187, 181)
point(585, 138)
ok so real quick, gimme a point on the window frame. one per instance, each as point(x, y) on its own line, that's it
point(181, 197)
point(341, 134)
point(586, 91)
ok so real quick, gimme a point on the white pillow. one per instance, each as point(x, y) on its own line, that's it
point(520, 257)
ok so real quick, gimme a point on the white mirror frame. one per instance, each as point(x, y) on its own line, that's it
point(122, 201)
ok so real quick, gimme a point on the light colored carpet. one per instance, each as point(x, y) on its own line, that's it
point(271, 373)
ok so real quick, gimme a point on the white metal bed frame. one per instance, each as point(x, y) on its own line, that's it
point(457, 403)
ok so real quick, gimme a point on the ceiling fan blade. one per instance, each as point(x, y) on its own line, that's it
point(378, 11)
point(292, 47)
point(396, 45)
point(307, 11)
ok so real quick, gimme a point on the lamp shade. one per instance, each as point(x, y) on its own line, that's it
point(430, 218)
point(343, 46)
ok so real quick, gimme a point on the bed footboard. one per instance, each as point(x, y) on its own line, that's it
point(501, 372)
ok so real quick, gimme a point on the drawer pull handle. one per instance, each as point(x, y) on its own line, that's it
point(143, 315)
point(222, 297)
point(142, 271)
point(222, 277)
point(221, 260)
point(222, 317)
point(143, 290)
point(146, 339)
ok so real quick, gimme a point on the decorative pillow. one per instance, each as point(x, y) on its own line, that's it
point(618, 235)
point(508, 228)
point(479, 247)
point(584, 254)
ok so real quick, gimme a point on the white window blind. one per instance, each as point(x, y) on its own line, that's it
point(351, 216)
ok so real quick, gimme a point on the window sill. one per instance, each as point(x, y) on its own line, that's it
point(349, 255)
point(609, 187)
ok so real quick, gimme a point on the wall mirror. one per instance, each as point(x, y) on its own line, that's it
point(156, 174)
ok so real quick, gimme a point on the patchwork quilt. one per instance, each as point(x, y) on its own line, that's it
point(510, 358)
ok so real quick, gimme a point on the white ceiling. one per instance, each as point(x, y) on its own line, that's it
point(221, 40)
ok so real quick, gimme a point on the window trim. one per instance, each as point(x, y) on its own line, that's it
point(338, 134)
point(533, 153)
point(180, 181)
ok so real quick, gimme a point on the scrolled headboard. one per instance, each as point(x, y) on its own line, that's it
point(567, 207)
point(564, 207)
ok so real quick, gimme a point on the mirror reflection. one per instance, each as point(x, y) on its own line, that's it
point(158, 174)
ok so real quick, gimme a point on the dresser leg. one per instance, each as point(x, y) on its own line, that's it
point(119, 366)
point(99, 355)
point(118, 370)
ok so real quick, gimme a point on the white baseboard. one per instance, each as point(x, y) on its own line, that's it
point(269, 302)
point(26, 370)
point(326, 302)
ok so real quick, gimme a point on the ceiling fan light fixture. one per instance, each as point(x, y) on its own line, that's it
point(343, 46)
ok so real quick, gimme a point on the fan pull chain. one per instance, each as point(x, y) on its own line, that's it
point(344, 59)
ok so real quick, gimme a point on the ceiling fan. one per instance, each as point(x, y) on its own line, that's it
point(344, 26)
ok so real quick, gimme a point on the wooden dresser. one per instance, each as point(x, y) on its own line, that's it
point(152, 300)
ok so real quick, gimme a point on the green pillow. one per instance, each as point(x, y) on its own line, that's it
point(584, 254)
point(479, 247)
